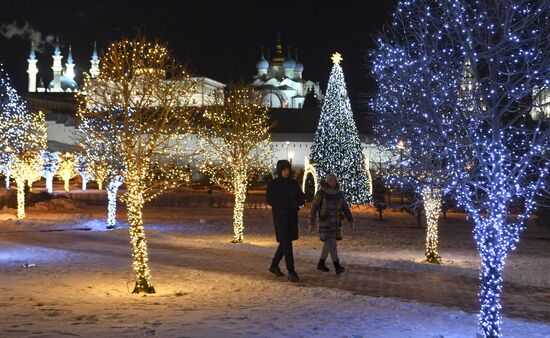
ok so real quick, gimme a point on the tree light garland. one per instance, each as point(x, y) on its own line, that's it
point(22, 139)
point(136, 112)
point(114, 183)
point(84, 169)
point(51, 166)
point(495, 154)
point(336, 146)
point(236, 146)
point(432, 205)
point(67, 169)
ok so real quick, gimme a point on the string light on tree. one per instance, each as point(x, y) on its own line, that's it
point(51, 162)
point(23, 171)
point(67, 169)
point(496, 56)
point(156, 113)
point(237, 146)
point(418, 85)
point(112, 188)
point(336, 147)
point(84, 169)
point(22, 139)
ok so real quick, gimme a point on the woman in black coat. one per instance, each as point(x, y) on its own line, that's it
point(285, 196)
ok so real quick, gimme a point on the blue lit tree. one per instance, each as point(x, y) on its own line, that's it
point(496, 155)
point(84, 168)
point(51, 166)
point(22, 139)
point(102, 146)
point(336, 146)
point(418, 78)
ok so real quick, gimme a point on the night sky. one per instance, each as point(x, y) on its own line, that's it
point(220, 39)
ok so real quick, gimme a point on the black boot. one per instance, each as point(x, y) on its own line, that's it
point(293, 277)
point(339, 269)
point(276, 271)
point(321, 266)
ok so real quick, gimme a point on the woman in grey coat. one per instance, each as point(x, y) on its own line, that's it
point(329, 207)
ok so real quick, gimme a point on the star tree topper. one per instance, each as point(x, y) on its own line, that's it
point(336, 58)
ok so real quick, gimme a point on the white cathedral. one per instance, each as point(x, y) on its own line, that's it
point(280, 81)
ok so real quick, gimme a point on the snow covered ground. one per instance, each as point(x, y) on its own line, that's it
point(81, 279)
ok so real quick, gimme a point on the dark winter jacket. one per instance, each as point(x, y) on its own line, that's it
point(285, 197)
point(330, 207)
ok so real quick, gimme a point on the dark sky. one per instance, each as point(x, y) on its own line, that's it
point(220, 39)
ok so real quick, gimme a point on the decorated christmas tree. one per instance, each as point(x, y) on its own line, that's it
point(336, 147)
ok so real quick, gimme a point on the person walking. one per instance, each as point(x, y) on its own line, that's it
point(285, 197)
point(329, 207)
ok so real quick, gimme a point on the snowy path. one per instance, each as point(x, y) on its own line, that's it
point(208, 287)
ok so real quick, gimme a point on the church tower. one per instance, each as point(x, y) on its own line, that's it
point(57, 68)
point(94, 70)
point(32, 70)
point(69, 66)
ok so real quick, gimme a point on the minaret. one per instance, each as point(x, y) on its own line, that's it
point(32, 70)
point(69, 66)
point(94, 70)
point(57, 68)
point(298, 70)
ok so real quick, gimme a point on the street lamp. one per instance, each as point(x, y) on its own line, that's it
point(290, 156)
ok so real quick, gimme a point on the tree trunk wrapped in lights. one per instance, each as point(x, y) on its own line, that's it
point(22, 139)
point(432, 205)
point(134, 202)
point(24, 170)
point(7, 160)
point(100, 173)
point(67, 169)
point(135, 119)
point(112, 188)
point(236, 143)
point(51, 166)
point(495, 154)
point(84, 169)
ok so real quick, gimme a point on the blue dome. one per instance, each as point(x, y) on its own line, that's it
point(299, 67)
point(262, 64)
point(289, 63)
point(66, 83)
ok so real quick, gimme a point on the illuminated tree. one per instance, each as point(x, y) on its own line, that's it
point(237, 146)
point(418, 80)
point(22, 139)
point(100, 173)
point(24, 170)
point(84, 168)
point(51, 162)
point(336, 146)
point(105, 160)
point(67, 169)
point(141, 94)
point(497, 156)
point(7, 160)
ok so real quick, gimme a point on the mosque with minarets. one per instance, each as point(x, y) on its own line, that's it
point(63, 78)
